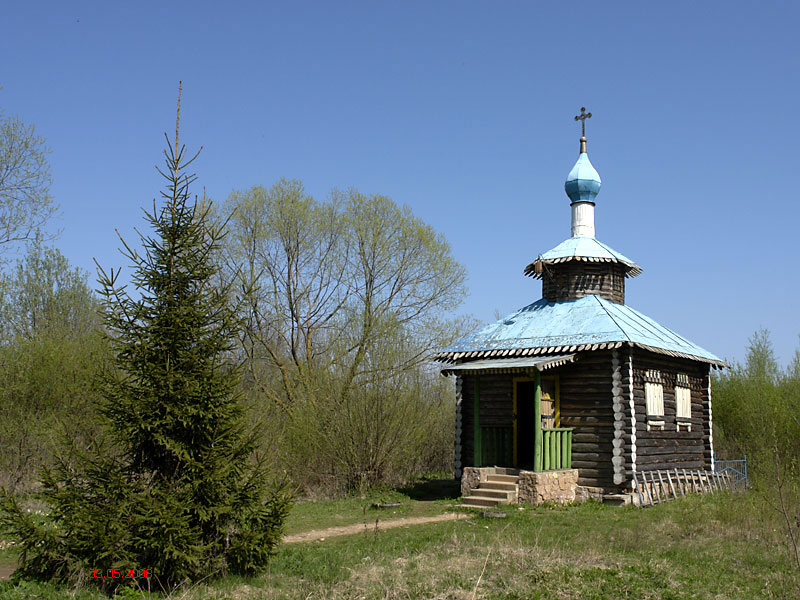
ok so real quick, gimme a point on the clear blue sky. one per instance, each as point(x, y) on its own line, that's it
point(462, 110)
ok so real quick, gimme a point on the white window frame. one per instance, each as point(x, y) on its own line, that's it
point(654, 399)
point(683, 402)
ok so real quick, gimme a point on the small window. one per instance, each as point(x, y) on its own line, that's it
point(683, 403)
point(654, 397)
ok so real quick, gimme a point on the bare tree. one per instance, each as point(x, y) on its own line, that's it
point(346, 299)
point(25, 201)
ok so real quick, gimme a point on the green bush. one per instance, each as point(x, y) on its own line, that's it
point(757, 414)
point(50, 357)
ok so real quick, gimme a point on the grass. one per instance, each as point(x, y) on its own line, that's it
point(683, 549)
point(698, 547)
point(426, 498)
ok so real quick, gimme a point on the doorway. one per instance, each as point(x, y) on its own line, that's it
point(524, 427)
point(524, 431)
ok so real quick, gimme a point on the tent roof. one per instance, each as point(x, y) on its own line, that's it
point(589, 323)
point(583, 248)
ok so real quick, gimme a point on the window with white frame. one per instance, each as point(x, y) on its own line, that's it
point(654, 398)
point(683, 402)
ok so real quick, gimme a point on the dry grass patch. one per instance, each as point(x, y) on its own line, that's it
point(693, 548)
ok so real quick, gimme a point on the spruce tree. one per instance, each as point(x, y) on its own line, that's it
point(179, 488)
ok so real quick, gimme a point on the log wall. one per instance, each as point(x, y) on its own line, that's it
point(467, 421)
point(671, 448)
point(575, 279)
point(629, 439)
point(586, 405)
point(602, 397)
point(458, 459)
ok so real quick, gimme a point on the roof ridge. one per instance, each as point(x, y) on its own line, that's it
point(616, 253)
point(647, 320)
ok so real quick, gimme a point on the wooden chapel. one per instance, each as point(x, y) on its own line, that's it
point(578, 379)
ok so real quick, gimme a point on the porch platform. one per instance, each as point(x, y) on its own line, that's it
point(491, 486)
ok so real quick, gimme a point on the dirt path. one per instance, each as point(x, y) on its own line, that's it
point(321, 534)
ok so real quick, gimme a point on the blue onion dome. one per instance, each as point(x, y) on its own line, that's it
point(583, 182)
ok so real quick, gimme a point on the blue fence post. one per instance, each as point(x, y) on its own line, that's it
point(745, 471)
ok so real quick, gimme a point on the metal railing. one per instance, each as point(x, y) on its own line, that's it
point(735, 469)
point(556, 448)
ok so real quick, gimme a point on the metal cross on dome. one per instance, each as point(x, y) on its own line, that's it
point(582, 118)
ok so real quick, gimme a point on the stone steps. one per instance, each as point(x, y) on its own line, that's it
point(480, 501)
point(490, 486)
point(500, 487)
point(503, 478)
point(490, 493)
